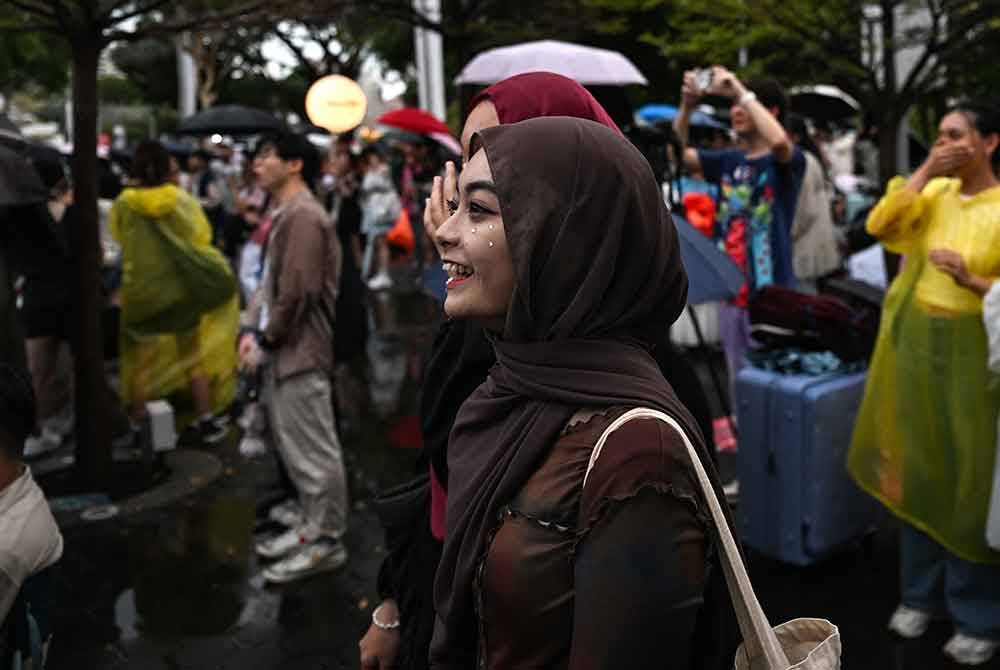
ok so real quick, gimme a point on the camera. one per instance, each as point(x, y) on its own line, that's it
point(703, 78)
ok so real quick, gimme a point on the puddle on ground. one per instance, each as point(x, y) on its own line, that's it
point(189, 575)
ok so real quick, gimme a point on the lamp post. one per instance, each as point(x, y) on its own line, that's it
point(429, 57)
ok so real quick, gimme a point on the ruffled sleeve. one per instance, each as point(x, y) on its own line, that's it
point(899, 217)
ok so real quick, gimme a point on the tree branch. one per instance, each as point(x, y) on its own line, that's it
point(253, 9)
point(297, 52)
point(110, 20)
point(34, 8)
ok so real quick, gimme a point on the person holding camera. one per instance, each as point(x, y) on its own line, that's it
point(759, 187)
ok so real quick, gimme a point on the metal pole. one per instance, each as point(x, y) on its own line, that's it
point(187, 79)
point(420, 58)
point(429, 56)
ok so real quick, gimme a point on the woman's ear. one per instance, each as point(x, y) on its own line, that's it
point(992, 142)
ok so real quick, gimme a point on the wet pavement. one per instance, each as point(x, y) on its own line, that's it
point(178, 586)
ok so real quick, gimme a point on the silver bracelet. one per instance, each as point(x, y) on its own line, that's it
point(748, 97)
point(384, 626)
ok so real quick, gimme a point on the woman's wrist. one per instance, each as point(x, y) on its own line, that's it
point(978, 285)
point(386, 615)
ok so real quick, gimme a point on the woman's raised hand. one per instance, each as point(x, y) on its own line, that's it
point(436, 208)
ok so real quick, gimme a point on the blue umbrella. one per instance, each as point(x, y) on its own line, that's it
point(711, 275)
point(655, 113)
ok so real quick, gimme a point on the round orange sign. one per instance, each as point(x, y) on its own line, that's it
point(336, 103)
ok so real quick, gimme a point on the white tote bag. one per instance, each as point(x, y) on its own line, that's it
point(800, 644)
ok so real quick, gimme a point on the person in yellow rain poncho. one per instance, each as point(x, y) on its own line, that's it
point(925, 438)
point(180, 311)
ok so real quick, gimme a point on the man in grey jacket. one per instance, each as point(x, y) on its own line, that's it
point(294, 314)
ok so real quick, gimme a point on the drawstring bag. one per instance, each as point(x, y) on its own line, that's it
point(800, 644)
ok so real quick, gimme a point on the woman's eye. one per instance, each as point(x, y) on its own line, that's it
point(475, 209)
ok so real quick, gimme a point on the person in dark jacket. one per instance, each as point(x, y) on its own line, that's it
point(46, 265)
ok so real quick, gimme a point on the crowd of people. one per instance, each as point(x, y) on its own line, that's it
point(518, 547)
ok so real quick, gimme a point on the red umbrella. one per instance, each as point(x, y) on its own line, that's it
point(414, 120)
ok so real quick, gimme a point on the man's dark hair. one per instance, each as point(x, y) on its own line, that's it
point(771, 94)
point(984, 115)
point(17, 411)
point(151, 164)
point(293, 146)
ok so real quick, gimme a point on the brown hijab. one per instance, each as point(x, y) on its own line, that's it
point(598, 273)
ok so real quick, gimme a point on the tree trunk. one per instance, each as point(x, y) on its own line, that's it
point(889, 129)
point(888, 142)
point(93, 439)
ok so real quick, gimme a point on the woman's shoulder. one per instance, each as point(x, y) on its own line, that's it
point(642, 453)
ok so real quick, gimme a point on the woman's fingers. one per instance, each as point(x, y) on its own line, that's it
point(450, 190)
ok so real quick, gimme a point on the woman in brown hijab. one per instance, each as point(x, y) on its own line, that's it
point(562, 248)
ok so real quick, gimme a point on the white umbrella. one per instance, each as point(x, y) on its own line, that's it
point(823, 102)
point(587, 65)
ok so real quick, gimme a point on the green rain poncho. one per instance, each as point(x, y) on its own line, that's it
point(925, 439)
point(180, 312)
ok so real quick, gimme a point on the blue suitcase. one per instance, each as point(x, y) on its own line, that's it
point(797, 502)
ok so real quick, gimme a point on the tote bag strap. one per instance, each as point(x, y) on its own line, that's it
point(758, 637)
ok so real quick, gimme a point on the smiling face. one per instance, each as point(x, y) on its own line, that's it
point(475, 252)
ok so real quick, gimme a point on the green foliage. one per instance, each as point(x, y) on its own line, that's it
point(119, 91)
point(28, 59)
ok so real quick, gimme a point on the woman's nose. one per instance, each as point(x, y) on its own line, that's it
point(447, 233)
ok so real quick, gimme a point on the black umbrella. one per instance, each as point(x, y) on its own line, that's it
point(230, 120)
point(19, 181)
point(823, 103)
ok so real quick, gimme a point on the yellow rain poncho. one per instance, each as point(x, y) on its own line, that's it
point(180, 311)
point(925, 439)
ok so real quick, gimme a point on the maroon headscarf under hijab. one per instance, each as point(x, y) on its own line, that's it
point(598, 273)
point(461, 356)
point(534, 94)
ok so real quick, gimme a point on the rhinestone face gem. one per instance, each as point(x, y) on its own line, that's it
point(491, 244)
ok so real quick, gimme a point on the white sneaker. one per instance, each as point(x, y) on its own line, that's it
point(287, 513)
point(321, 555)
point(909, 622)
point(251, 447)
point(280, 545)
point(968, 650)
point(39, 445)
point(380, 282)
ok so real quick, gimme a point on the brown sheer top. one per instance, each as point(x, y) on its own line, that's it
point(607, 577)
